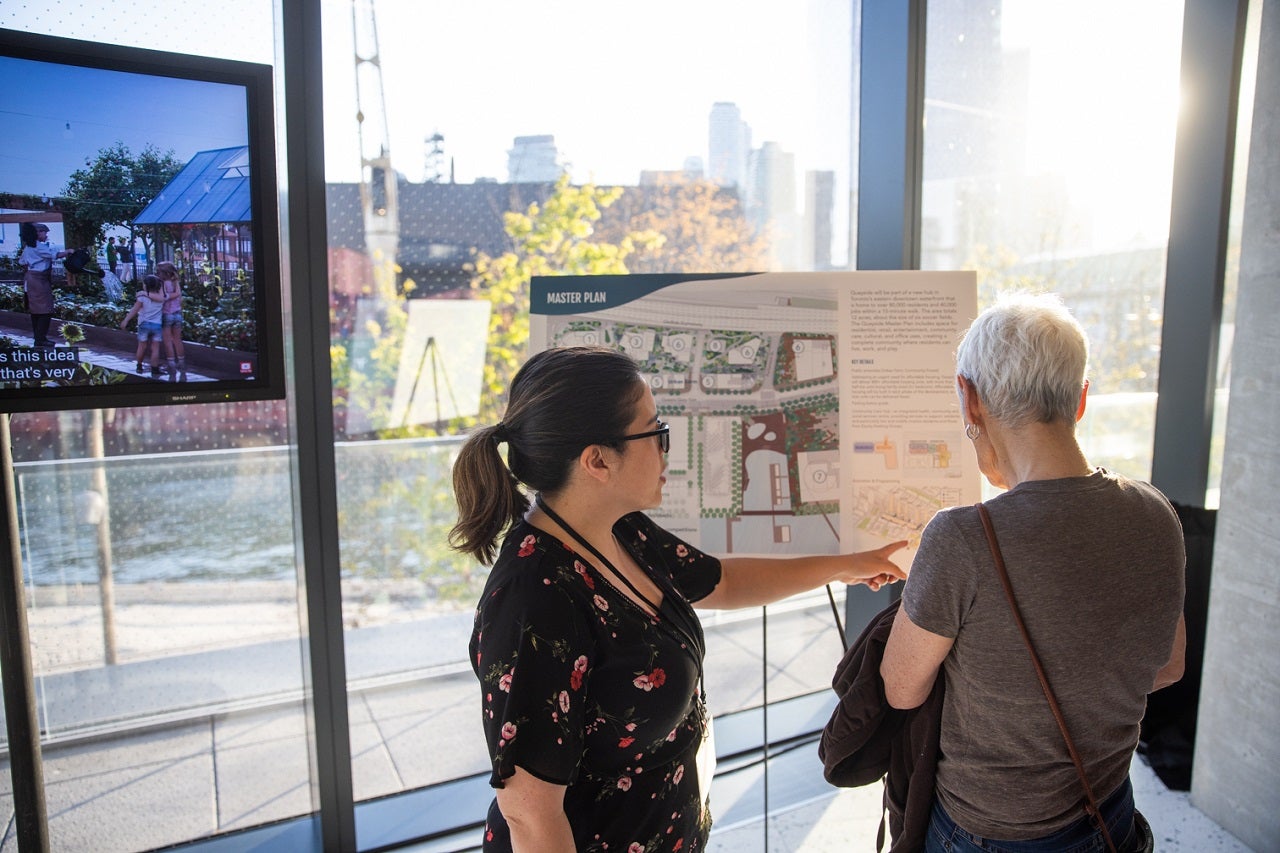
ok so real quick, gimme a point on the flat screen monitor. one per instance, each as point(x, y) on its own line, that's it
point(131, 167)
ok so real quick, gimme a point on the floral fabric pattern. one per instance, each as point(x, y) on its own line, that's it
point(581, 687)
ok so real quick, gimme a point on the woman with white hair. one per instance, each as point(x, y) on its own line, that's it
point(1096, 566)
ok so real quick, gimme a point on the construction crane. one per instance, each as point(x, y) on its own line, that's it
point(433, 167)
point(378, 200)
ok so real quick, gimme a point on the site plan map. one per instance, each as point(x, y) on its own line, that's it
point(809, 412)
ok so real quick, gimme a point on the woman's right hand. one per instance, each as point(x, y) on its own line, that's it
point(879, 580)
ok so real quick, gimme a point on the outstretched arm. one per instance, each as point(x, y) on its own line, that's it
point(753, 581)
point(133, 312)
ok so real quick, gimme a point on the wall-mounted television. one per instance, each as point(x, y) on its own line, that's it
point(137, 162)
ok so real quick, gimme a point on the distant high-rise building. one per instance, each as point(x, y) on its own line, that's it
point(728, 146)
point(819, 206)
point(533, 160)
point(771, 204)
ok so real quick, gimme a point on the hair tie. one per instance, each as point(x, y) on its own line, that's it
point(500, 433)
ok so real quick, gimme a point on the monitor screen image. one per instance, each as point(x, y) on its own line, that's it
point(139, 231)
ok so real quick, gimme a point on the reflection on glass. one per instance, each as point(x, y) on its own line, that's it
point(162, 606)
point(1244, 131)
point(1046, 173)
point(158, 547)
point(407, 604)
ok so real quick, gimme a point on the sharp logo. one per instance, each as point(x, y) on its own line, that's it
point(182, 398)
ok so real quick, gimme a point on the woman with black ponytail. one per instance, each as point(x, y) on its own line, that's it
point(586, 644)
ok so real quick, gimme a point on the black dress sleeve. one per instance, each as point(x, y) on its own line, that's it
point(533, 653)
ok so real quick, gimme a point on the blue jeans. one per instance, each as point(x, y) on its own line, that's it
point(148, 332)
point(1079, 837)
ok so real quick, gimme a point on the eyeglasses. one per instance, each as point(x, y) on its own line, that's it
point(663, 432)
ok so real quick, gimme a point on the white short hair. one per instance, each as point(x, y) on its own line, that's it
point(1027, 358)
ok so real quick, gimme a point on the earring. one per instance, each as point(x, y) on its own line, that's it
point(972, 431)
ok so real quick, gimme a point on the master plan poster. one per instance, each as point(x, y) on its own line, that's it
point(809, 412)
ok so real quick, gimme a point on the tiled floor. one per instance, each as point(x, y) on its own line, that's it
point(241, 760)
point(848, 820)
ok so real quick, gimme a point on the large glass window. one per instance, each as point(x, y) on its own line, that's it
point(1045, 171)
point(704, 137)
point(158, 550)
point(163, 614)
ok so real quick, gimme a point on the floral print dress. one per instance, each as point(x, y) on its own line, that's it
point(582, 688)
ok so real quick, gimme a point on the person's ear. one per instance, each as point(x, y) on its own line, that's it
point(594, 462)
point(970, 406)
point(1084, 393)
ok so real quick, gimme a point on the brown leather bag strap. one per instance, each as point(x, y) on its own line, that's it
point(1091, 803)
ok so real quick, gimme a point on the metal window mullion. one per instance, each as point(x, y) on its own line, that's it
point(890, 125)
point(26, 768)
point(890, 133)
point(1204, 154)
point(313, 394)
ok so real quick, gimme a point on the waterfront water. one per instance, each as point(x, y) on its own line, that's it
point(229, 515)
point(172, 517)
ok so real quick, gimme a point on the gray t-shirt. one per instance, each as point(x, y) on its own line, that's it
point(1097, 567)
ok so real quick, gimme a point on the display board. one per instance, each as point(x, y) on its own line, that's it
point(809, 412)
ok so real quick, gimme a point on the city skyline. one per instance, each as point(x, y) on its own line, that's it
point(614, 109)
point(620, 106)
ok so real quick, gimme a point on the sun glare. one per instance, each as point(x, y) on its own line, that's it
point(1103, 119)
